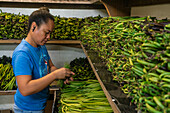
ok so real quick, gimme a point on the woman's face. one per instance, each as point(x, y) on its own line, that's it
point(42, 34)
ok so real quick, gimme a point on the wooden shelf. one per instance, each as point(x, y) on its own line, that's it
point(11, 41)
point(68, 43)
point(53, 4)
point(55, 1)
point(12, 92)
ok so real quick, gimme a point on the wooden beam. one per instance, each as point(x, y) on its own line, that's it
point(51, 5)
point(117, 7)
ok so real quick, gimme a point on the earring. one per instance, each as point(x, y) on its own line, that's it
point(33, 29)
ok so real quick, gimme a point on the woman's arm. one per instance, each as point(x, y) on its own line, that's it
point(27, 86)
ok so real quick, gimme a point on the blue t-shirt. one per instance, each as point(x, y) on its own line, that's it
point(29, 60)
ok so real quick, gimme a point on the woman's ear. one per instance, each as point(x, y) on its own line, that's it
point(33, 27)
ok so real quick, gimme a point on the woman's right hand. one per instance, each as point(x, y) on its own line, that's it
point(63, 73)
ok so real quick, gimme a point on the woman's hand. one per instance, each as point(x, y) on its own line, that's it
point(64, 73)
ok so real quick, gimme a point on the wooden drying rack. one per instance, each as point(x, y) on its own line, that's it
point(52, 90)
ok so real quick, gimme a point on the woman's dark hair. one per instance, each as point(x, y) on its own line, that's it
point(39, 17)
point(44, 8)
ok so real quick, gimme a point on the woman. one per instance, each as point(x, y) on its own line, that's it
point(33, 67)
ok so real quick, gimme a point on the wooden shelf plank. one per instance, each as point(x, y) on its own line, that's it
point(49, 42)
point(10, 41)
point(9, 92)
point(51, 5)
point(12, 92)
point(55, 1)
point(63, 42)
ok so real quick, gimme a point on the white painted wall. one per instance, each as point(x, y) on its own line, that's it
point(160, 11)
point(79, 13)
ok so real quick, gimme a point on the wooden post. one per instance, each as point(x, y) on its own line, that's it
point(117, 7)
